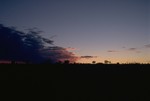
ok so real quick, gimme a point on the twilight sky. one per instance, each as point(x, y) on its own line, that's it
point(115, 30)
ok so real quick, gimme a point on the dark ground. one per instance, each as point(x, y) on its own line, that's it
point(77, 82)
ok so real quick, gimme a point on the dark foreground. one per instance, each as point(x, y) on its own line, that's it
point(77, 82)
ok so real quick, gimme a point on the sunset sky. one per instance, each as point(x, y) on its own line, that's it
point(115, 30)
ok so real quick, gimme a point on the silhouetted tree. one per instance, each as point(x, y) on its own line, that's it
point(107, 62)
point(66, 62)
point(118, 63)
point(93, 62)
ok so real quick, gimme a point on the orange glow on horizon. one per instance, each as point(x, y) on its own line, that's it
point(115, 60)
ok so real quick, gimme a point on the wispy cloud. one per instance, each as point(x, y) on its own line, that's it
point(112, 51)
point(88, 57)
point(132, 49)
point(147, 46)
point(138, 51)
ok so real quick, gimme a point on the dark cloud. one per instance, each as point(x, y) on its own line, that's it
point(147, 46)
point(88, 57)
point(111, 51)
point(31, 46)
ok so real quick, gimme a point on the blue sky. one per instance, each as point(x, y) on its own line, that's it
point(103, 28)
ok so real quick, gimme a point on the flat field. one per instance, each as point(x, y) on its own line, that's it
point(74, 82)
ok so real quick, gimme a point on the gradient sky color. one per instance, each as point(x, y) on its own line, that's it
point(115, 30)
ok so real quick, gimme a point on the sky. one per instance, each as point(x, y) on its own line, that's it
point(95, 30)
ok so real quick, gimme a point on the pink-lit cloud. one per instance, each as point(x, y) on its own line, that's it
point(70, 49)
point(59, 54)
